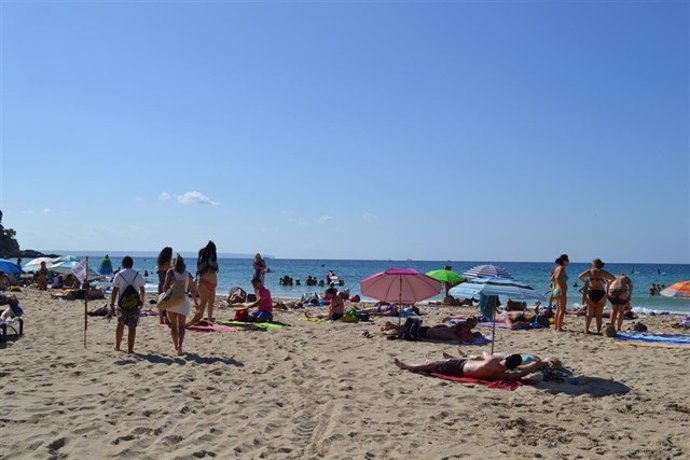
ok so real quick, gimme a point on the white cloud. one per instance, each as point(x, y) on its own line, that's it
point(43, 211)
point(165, 196)
point(138, 199)
point(369, 216)
point(195, 198)
point(325, 218)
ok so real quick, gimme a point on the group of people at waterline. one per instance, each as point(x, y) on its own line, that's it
point(599, 286)
point(176, 286)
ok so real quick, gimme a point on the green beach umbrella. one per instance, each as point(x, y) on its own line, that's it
point(446, 276)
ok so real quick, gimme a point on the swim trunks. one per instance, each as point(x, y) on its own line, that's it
point(452, 367)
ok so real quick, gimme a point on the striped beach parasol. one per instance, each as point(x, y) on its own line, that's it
point(681, 289)
point(488, 271)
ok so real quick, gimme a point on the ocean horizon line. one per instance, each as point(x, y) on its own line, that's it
point(241, 255)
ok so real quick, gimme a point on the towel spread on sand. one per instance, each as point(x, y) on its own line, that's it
point(211, 328)
point(251, 325)
point(637, 339)
point(509, 385)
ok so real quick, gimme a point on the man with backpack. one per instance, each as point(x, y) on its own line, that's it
point(128, 294)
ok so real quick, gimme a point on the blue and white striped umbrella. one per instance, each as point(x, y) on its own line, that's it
point(501, 287)
point(488, 271)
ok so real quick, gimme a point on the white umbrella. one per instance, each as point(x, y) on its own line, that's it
point(35, 264)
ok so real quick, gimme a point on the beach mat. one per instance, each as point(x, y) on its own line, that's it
point(509, 385)
point(212, 328)
point(272, 326)
point(638, 339)
point(659, 338)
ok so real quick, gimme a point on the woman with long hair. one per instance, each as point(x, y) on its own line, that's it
point(163, 264)
point(207, 281)
point(596, 279)
point(181, 282)
point(260, 268)
point(559, 289)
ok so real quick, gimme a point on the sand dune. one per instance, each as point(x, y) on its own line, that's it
point(322, 390)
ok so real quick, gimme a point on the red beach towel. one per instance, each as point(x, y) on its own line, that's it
point(509, 385)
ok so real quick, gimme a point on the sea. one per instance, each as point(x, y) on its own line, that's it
point(238, 272)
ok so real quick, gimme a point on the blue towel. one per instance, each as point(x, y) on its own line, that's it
point(663, 338)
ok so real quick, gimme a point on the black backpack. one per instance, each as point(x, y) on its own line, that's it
point(129, 297)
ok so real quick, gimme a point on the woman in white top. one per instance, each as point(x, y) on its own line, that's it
point(182, 282)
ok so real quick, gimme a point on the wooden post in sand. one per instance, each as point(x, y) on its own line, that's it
point(86, 299)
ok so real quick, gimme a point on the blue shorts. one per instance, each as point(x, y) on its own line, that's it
point(261, 316)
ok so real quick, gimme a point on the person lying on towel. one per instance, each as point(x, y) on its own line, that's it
point(487, 367)
point(460, 331)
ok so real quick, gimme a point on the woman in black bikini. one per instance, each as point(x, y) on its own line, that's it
point(597, 279)
point(620, 293)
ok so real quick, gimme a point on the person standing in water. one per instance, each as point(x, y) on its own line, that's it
point(260, 268)
point(559, 283)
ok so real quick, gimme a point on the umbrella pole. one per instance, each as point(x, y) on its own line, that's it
point(400, 303)
point(86, 300)
point(493, 330)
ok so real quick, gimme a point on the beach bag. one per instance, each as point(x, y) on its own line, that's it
point(410, 330)
point(640, 327)
point(174, 294)
point(237, 295)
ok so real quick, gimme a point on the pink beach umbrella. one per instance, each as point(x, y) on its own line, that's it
point(401, 286)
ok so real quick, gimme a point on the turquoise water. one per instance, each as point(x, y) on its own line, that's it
point(238, 272)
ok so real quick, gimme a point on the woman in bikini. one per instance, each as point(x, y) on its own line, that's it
point(559, 284)
point(163, 264)
point(259, 266)
point(620, 293)
point(597, 280)
point(207, 280)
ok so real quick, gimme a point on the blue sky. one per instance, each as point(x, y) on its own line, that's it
point(465, 131)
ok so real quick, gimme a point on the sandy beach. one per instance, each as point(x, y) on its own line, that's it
point(325, 390)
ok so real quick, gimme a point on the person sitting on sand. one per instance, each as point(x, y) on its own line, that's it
point(460, 331)
point(488, 367)
point(263, 303)
point(4, 281)
point(336, 308)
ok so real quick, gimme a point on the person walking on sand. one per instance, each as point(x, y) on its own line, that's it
point(163, 264)
point(559, 283)
point(620, 293)
point(181, 282)
point(206, 270)
point(128, 294)
point(596, 279)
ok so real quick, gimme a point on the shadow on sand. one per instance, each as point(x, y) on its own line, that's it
point(180, 360)
point(594, 386)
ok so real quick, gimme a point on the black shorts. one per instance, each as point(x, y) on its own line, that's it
point(452, 367)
